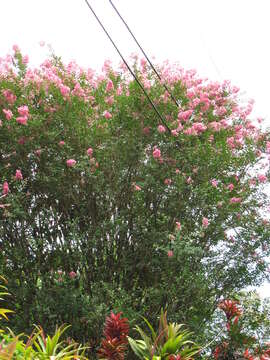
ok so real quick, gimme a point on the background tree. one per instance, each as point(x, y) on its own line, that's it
point(106, 208)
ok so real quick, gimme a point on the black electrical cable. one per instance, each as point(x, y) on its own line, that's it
point(147, 58)
point(130, 70)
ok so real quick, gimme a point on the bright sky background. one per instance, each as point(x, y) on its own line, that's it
point(222, 39)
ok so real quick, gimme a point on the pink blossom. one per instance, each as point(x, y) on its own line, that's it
point(147, 84)
point(10, 97)
point(72, 274)
point(38, 152)
point(189, 180)
point(262, 178)
point(5, 188)
point(235, 89)
point(110, 100)
point(190, 94)
point(214, 183)
point(174, 132)
point(143, 62)
point(18, 175)
point(22, 120)
point(89, 152)
point(199, 127)
point(156, 153)
point(107, 66)
point(161, 129)
point(185, 115)
point(71, 162)
point(177, 171)
point(215, 126)
point(170, 253)
point(146, 131)
point(107, 115)
point(178, 225)
point(78, 91)
point(23, 110)
point(22, 140)
point(109, 86)
point(235, 200)
point(15, 48)
point(230, 142)
point(167, 181)
point(205, 222)
point(180, 127)
point(221, 111)
point(61, 143)
point(190, 131)
point(25, 59)
point(65, 90)
point(119, 90)
point(8, 114)
point(137, 187)
point(230, 187)
point(268, 147)
point(41, 43)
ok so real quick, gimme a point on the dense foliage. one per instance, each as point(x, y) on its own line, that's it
point(104, 207)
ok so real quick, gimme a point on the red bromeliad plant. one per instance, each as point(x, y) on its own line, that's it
point(114, 346)
point(232, 310)
point(237, 344)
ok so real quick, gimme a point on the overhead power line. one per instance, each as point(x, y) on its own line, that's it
point(129, 68)
point(147, 58)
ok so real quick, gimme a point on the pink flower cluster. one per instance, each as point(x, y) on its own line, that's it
point(5, 188)
point(235, 200)
point(205, 222)
point(24, 114)
point(156, 153)
point(107, 115)
point(8, 114)
point(18, 175)
point(71, 162)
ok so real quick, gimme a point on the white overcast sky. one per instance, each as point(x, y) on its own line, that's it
point(222, 39)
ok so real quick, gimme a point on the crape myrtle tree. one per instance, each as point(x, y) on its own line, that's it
point(104, 206)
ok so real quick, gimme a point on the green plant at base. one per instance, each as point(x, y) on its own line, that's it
point(38, 345)
point(8, 352)
point(171, 342)
point(47, 347)
point(3, 312)
point(15, 348)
